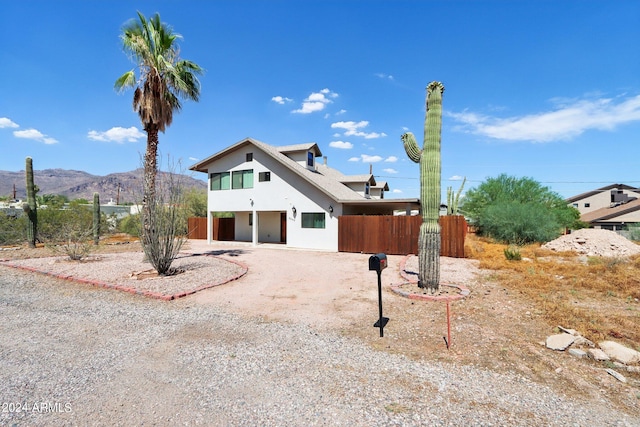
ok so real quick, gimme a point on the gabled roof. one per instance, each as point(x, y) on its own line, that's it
point(603, 214)
point(325, 179)
point(381, 184)
point(300, 147)
point(600, 190)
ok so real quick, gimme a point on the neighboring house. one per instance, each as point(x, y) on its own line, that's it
point(611, 207)
point(282, 195)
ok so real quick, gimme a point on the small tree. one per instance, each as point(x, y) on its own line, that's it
point(69, 231)
point(518, 210)
point(96, 218)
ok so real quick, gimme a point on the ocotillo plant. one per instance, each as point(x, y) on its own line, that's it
point(30, 208)
point(96, 218)
point(430, 169)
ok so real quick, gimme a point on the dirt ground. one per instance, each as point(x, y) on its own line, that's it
point(494, 328)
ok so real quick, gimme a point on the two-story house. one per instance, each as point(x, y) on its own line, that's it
point(283, 195)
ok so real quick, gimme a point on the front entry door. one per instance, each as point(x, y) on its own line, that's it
point(283, 227)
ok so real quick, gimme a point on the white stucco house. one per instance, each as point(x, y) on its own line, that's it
point(283, 195)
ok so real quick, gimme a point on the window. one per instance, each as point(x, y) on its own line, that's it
point(250, 219)
point(242, 179)
point(309, 158)
point(587, 205)
point(249, 157)
point(264, 176)
point(575, 205)
point(220, 181)
point(367, 189)
point(313, 220)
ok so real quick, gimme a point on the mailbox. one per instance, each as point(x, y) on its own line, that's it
point(377, 262)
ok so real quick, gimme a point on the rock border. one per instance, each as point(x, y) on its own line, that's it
point(463, 290)
point(149, 294)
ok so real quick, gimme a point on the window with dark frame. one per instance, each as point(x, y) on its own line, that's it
point(249, 157)
point(242, 179)
point(264, 176)
point(310, 158)
point(313, 220)
point(220, 181)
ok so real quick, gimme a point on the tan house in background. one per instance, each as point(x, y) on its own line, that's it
point(612, 207)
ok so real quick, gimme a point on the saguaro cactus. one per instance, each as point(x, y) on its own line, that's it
point(430, 170)
point(30, 208)
point(96, 218)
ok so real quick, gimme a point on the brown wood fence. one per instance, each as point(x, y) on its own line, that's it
point(397, 235)
point(223, 228)
point(197, 228)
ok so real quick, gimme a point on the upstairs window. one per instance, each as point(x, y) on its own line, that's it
point(242, 179)
point(220, 181)
point(264, 176)
point(367, 189)
point(249, 157)
point(313, 220)
point(587, 205)
point(310, 159)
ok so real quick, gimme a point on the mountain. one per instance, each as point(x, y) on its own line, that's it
point(122, 187)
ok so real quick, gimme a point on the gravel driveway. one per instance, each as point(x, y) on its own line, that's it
point(78, 355)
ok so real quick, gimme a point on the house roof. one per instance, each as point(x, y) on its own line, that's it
point(324, 178)
point(600, 190)
point(608, 213)
point(300, 147)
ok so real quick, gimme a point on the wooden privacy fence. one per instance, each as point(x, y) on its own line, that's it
point(397, 235)
point(223, 228)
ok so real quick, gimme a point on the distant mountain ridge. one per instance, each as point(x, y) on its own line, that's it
point(123, 187)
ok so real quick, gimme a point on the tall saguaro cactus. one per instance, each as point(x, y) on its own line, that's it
point(30, 208)
point(96, 218)
point(430, 170)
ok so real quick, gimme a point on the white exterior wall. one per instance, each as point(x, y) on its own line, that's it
point(267, 199)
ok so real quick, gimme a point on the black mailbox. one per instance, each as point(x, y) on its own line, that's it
point(377, 262)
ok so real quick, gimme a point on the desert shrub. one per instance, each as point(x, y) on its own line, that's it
point(12, 229)
point(512, 253)
point(519, 223)
point(68, 231)
point(633, 232)
point(518, 211)
point(130, 224)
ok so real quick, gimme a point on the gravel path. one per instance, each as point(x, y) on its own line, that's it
point(77, 355)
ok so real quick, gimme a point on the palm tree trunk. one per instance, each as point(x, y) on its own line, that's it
point(149, 183)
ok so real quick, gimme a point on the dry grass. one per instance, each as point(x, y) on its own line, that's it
point(599, 297)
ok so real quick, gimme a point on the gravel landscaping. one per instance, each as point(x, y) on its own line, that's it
point(72, 354)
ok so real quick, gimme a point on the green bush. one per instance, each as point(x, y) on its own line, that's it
point(12, 229)
point(131, 225)
point(519, 223)
point(512, 253)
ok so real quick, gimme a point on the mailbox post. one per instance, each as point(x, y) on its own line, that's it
point(377, 263)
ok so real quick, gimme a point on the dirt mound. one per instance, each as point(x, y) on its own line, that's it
point(594, 242)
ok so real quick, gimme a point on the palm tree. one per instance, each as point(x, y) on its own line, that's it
point(162, 81)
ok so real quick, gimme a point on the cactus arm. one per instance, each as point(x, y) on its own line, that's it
point(411, 147)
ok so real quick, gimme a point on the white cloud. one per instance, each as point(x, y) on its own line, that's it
point(385, 76)
point(6, 123)
point(341, 144)
point(281, 100)
point(117, 134)
point(352, 128)
point(456, 178)
point(395, 190)
point(34, 134)
point(354, 159)
point(391, 159)
point(317, 101)
point(194, 159)
point(390, 170)
point(341, 112)
point(569, 119)
point(370, 159)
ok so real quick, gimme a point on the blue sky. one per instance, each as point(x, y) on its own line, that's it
point(543, 89)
